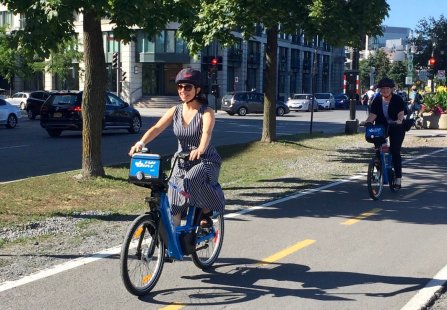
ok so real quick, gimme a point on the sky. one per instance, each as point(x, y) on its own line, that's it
point(407, 13)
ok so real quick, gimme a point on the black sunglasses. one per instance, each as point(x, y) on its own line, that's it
point(186, 87)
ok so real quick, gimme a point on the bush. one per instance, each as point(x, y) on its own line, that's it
point(436, 102)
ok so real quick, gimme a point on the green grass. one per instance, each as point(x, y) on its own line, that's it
point(252, 164)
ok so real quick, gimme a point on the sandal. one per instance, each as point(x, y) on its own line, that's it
point(205, 220)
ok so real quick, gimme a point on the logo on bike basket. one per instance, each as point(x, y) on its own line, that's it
point(375, 132)
point(146, 164)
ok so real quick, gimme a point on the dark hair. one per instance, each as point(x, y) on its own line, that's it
point(190, 76)
point(386, 82)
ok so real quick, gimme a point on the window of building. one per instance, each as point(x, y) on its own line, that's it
point(110, 44)
point(160, 42)
point(5, 18)
point(165, 42)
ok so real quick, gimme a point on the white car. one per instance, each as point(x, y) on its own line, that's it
point(9, 114)
point(325, 101)
point(19, 99)
point(301, 102)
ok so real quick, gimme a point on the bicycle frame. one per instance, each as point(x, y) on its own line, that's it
point(166, 223)
point(387, 162)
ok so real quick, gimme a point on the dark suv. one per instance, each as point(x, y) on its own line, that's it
point(245, 102)
point(35, 101)
point(63, 111)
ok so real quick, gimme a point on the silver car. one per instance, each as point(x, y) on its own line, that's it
point(19, 99)
point(302, 102)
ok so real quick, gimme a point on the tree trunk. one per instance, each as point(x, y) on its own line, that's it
point(269, 124)
point(93, 101)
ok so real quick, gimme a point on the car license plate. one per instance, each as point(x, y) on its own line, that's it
point(57, 114)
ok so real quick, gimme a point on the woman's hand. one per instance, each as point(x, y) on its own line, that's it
point(195, 154)
point(136, 148)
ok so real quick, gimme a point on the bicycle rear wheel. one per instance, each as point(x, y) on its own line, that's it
point(209, 242)
point(142, 256)
point(375, 178)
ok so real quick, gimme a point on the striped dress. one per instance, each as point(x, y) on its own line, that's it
point(199, 178)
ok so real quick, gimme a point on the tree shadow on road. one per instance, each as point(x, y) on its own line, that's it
point(239, 280)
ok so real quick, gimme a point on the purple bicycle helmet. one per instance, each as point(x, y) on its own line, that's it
point(190, 76)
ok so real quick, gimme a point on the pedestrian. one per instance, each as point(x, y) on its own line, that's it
point(389, 109)
point(193, 123)
point(415, 100)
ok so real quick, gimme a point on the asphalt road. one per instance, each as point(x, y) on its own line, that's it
point(333, 248)
point(28, 151)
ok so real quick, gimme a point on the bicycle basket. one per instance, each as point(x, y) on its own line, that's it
point(145, 169)
point(374, 133)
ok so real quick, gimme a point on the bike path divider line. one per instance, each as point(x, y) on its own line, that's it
point(263, 262)
point(286, 252)
point(362, 216)
point(117, 249)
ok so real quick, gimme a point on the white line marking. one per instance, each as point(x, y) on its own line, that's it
point(59, 268)
point(12, 147)
point(117, 249)
point(426, 294)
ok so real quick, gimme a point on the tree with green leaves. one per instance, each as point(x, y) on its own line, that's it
point(47, 23)
point(379, 60)
point(398, 73)
point(430, 39)
point(339, 23)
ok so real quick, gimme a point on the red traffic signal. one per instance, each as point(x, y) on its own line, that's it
point(214, 61)
point(432, 61)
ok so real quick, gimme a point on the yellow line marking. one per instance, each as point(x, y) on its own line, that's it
point(173, 307)
point(277, 256)
point(362, 217)
point(265, 261)
point(415, 193)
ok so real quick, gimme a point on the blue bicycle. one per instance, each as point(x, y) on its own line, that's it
point(152, 239)
point(380, 168)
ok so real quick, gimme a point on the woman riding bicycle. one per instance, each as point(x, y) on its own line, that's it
point(389, 109)
point(193, 123)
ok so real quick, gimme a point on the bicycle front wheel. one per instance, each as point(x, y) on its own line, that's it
point(375, 178)
point(142, 256)
point(209, 242)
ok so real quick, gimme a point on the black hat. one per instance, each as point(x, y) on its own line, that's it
point(189, 76)
point(386, 82)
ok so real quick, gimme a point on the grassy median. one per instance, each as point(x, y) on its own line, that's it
point(292, 163)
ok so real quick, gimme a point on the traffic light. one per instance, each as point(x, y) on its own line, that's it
point(214, 61)
point(432, 61)
point(115, 60)
point(123, 76)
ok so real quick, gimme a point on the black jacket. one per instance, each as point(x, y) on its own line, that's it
point(396, 105)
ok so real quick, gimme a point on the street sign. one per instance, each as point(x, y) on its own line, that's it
point(408, 80)
point(423, 75)
point(441, 74)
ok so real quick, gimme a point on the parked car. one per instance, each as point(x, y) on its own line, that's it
point(245, 102)
point(341, 101)
point(9, 114)
point(19, 99)
point(325, 100)
point(302, 102)
point(63, 111)
point(35, 101)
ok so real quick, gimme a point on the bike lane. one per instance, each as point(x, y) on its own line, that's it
point(335, 249)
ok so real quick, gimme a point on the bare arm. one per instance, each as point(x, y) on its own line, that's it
point(209, 120)
point(154, 131)
point(371, 118)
